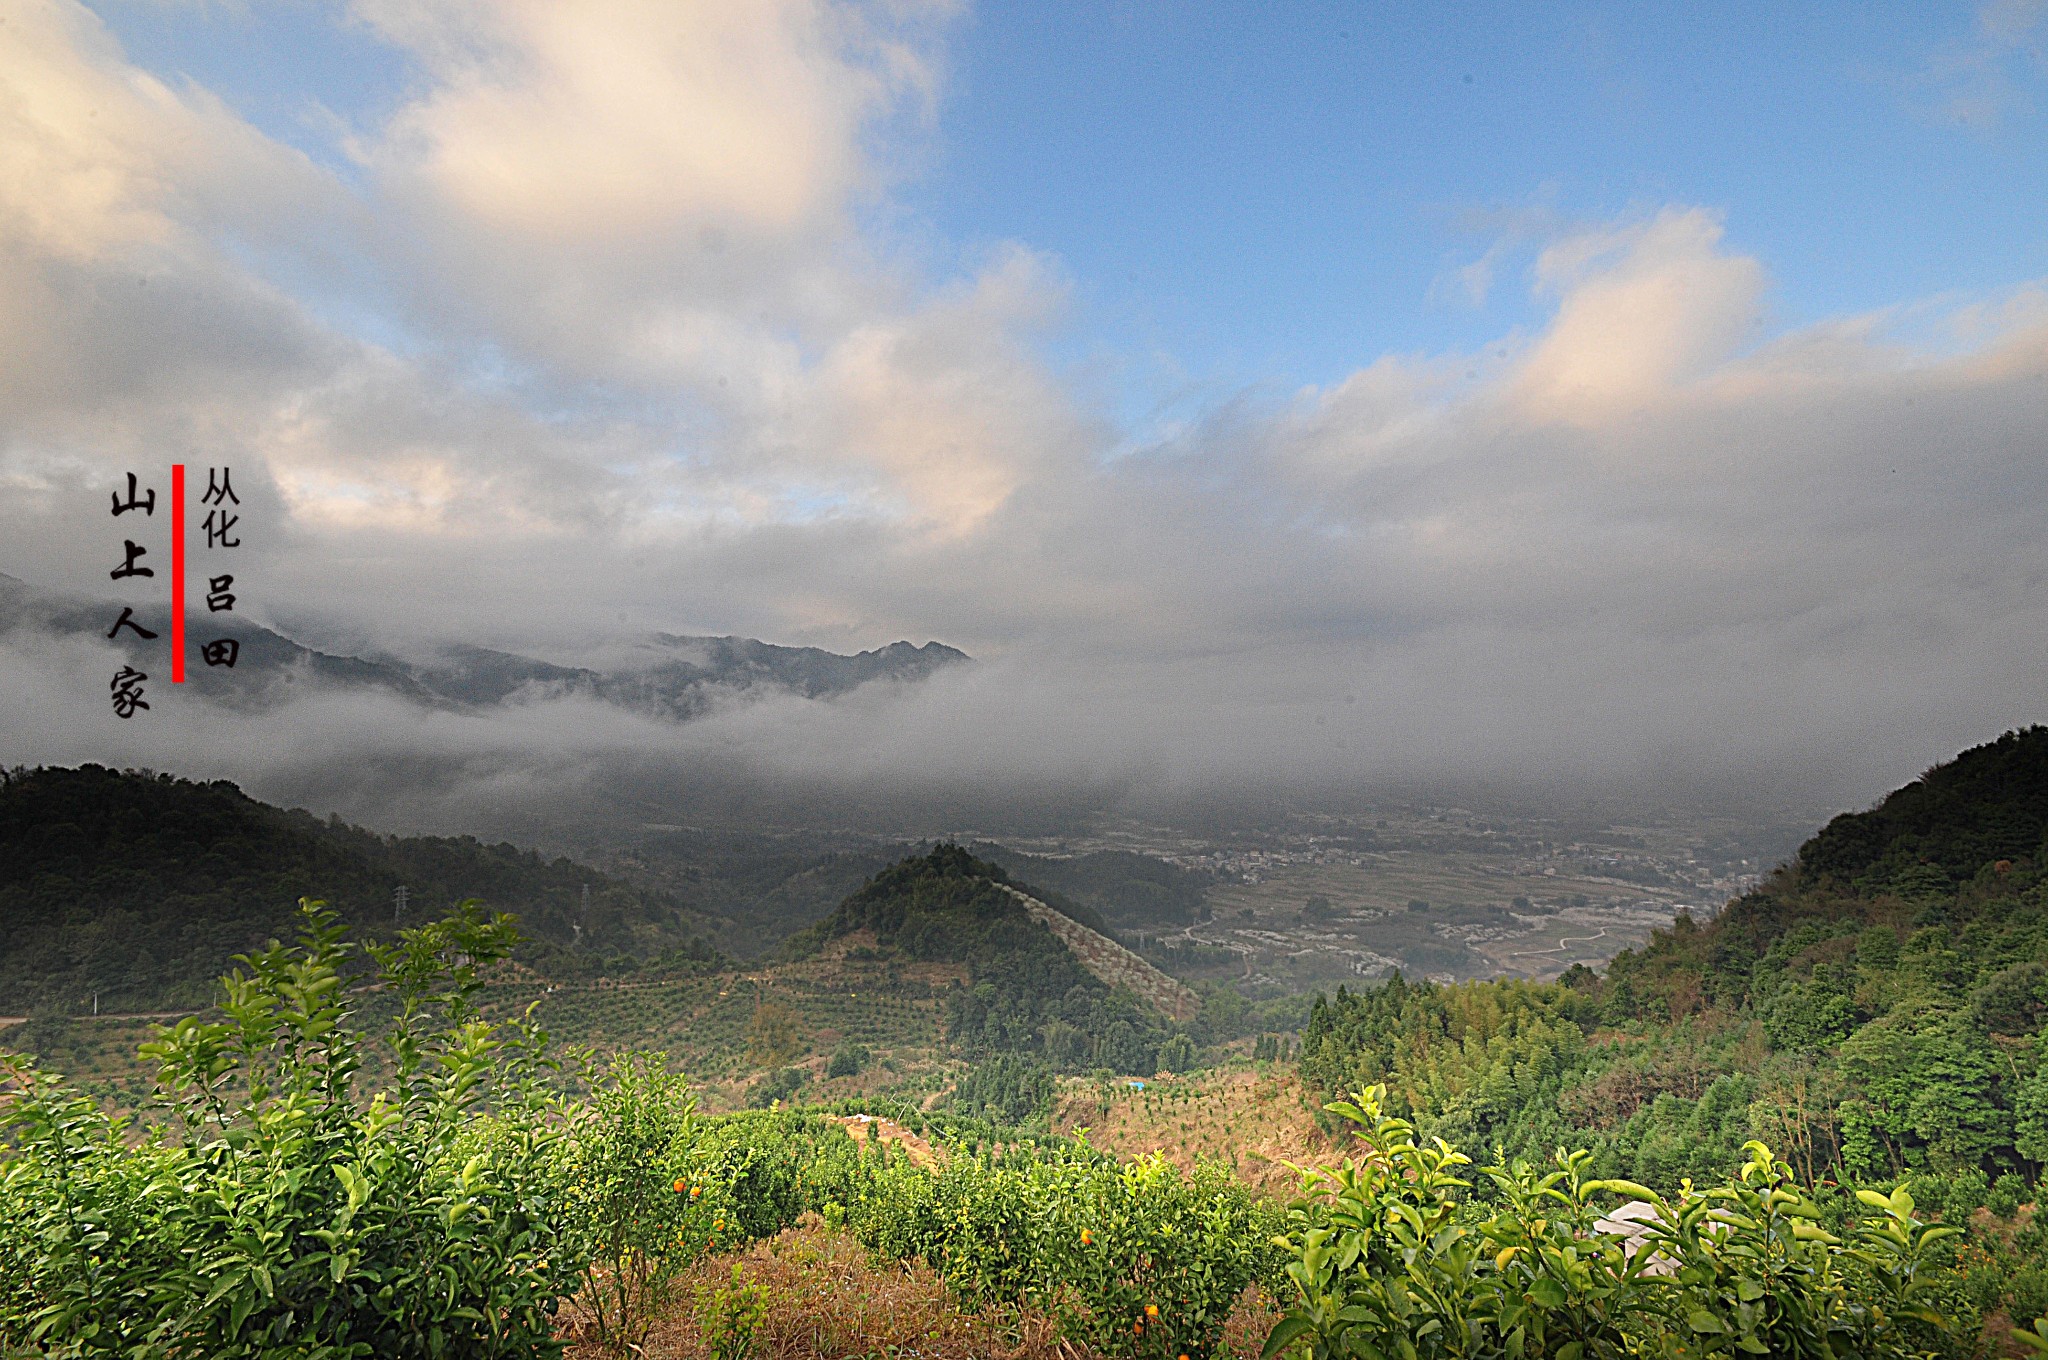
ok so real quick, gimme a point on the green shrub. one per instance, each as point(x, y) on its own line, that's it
point(1134, 1259)
point(2008, 1193)
point(1141, 1259)
point(1392, 1256)
point(775, 1165)
point(2027, 1291)
point(1178, 1054)
point(277, 1206)
point(890, 1204)
point(778, 1087)
point(848, 1060)
point(1962, 1194)
point(639, 1197)
point(733, 1317)
point(1005, 1089)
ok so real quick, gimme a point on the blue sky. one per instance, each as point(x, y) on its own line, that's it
point(1281, 191)
point(1277, 194)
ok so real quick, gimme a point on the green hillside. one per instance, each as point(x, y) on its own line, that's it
point(1027, 993)
point(1876, 1014)
point(1875, 1010)
point(140, 887)
point(295, 1194)
point(1942, 830)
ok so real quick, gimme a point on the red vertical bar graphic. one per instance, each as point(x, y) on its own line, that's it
point(177, 573)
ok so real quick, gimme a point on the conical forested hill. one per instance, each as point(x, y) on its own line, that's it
point(1027, 992)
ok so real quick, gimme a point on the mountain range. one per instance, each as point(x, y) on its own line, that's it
point(666, 675)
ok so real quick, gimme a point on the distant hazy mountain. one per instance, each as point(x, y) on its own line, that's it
point(664, 674)
point(676, 676)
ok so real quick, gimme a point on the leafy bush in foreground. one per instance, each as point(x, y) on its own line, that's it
point(637, 1191)
point(272, 1210)
point(1135, 1259)
point(1392, 1258)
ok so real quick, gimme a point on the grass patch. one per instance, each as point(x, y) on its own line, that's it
point(825, 1299)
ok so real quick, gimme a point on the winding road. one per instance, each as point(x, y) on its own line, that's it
point(1562, 941)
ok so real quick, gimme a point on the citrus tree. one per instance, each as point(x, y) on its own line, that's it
point(299, 1188)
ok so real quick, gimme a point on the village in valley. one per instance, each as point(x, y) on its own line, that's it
point(1435, 891)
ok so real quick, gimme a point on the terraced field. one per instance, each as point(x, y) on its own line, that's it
point(893, 1009)
point(1254, 1118)
point(98, 1052)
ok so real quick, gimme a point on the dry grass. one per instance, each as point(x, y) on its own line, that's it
point(826, 1300)
point(1254, 1121)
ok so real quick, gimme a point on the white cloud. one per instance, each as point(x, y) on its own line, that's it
point(659, 199)
point(111, 184)
point(1642, 311)
point(98, 158)
point(615, 125)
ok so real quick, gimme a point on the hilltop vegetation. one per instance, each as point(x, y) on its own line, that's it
point(1875, 1010)
point(1875, 1014)
point(932, 981)
point(1026, 992)
point(1126, 889)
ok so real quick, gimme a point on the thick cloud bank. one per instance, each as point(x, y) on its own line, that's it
point(543, 372)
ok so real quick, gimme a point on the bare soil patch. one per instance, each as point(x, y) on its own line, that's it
point(866, 1129)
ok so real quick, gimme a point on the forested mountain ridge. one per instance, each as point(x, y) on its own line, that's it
point(1941, 886)
point(945, 878)
point(1876, 1009)
point(1028, 995)
point(141, 886)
